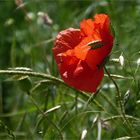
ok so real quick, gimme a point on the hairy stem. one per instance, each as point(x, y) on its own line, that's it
point(120, 102)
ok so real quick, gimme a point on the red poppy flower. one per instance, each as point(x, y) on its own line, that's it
point(80, 52)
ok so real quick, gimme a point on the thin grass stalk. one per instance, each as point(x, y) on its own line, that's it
point(120, 102)
point(46, 76)
point(45, 116)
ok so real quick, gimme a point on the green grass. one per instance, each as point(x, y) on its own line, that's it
point(39, 105)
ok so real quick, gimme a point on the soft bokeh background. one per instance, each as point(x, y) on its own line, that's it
point(27, 32)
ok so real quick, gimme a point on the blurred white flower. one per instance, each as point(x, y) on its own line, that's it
point(9, 22)
point(31, 15)
point(138, 62)
point(45, 18)
point(95, 119)
point(84, 133)
point(121, 60)
point(107, 86)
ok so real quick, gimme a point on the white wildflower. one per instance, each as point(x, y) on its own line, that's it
point(121, 60)
point(138, 62)
point(84, 133)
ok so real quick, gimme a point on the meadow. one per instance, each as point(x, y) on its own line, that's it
point(36, 104)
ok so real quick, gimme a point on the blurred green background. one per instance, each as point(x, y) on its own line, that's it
point(27, 32)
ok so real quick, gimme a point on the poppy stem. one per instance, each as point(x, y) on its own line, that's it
point(120, 102)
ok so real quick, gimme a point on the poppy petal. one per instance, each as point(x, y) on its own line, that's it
point(87, 27)
point(86, 79)
point(66, 40)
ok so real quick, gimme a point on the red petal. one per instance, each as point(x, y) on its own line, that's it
point(86, 79)
point(78, 69)
point(102, 24)
point(87, 27)
point(95, 57)
point(82, 48)
point(66, 40)
point(101, 19)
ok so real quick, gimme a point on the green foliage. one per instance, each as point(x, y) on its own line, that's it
point(38, 105)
